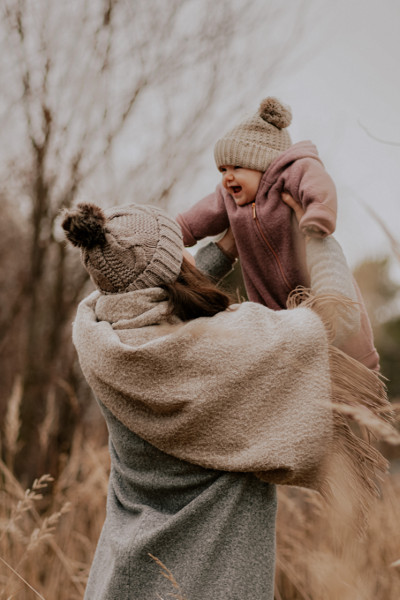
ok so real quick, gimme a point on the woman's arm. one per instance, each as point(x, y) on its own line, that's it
point(216, 259)
point(331, 276)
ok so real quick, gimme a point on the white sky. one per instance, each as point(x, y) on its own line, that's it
point(350, 76)
point(354, 78)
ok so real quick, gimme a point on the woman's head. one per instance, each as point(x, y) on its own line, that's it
point(135, 247)
point(126, 248)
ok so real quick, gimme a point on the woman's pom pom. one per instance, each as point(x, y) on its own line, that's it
point(85, 226)
point(274, 112)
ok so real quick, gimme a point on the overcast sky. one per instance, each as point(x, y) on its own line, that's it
point(353, 80)
point(348, 79)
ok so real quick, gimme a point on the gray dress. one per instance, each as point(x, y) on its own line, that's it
point(215, 531)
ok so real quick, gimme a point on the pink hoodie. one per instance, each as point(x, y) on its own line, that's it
point(268, 239)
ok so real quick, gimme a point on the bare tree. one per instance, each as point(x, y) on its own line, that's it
point(97, 93)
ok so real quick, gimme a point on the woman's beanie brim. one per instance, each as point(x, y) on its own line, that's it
point(166, 263)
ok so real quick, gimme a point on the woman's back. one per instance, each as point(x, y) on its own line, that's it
point(215, 531)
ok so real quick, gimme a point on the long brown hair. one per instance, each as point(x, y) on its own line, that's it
point(193, 295)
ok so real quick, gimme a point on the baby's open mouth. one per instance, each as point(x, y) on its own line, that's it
point(236, 189)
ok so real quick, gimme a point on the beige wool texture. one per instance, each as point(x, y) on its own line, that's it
point(247, 390)
point(143, 249)
point(258, 139)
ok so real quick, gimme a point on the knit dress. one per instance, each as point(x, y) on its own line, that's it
point(213, 530)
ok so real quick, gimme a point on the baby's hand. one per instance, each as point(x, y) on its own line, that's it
point(289, 200)
point(311, 231)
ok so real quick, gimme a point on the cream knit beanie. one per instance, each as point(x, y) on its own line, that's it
point(127, 247)
point(258, 140)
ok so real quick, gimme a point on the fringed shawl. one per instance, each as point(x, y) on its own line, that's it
point(248, 390)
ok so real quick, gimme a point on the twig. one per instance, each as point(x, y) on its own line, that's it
point(376, 138)
point(169, 576)
point(22, 579)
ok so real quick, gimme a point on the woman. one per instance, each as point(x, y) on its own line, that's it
point(208, 405)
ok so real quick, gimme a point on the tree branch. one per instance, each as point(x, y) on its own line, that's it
point(376, 138)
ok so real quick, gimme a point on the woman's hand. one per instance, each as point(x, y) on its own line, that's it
point(298, 210)
point(227, 245)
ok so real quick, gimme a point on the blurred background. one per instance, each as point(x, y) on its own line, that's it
point(117, 101)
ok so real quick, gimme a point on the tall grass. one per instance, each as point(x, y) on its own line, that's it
point(320, 557)
point(48, 533)
point(48, 536)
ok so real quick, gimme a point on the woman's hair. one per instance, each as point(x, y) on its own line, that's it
point(193, 295)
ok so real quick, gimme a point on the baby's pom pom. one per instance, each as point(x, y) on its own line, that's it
point(274, 112)
point(84, 226)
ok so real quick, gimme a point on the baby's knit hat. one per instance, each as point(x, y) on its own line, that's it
point(258, 140)
point(126, 248)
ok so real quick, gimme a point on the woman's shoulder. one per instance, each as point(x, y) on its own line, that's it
point(255, 319)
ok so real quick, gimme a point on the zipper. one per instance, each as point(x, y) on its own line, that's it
point(278, 262)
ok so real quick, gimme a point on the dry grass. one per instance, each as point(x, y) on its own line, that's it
point(48, 533)
point(48, 536)
point(320, 556)
point(177, 594)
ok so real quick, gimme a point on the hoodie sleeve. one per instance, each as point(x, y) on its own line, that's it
point(311, 185)
point(206, 218)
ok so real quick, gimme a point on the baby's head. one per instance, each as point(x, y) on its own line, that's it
point(247, 150)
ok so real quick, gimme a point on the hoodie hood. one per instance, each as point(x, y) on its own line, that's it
point(305, 149)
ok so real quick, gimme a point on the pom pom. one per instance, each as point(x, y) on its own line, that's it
point(85, 226)
point(274, 112)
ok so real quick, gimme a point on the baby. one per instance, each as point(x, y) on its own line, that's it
point(258, 163)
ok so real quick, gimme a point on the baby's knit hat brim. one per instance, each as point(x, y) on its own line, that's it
point(236, 152)
point(258, 140)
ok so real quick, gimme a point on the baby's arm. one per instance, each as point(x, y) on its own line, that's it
point(313, 187)
point(206, 218)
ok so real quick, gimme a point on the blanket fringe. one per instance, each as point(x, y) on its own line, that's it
point(362, 414)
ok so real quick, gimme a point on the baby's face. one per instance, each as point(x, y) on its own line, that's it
point(241, 183)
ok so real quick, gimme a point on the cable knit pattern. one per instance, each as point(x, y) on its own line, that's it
point(137, 246)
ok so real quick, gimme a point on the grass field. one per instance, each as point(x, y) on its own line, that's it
point(48, 536)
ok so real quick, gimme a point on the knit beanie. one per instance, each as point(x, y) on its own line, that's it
point(125, 248)
point(258, 140)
